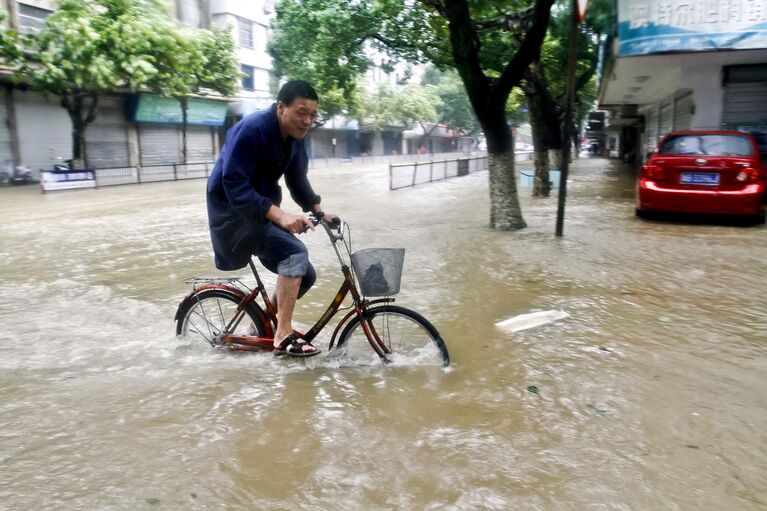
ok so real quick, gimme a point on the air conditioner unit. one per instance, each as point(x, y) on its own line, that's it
point(268, 7)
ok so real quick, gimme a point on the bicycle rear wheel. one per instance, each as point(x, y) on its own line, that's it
point(204, 317)
point(408, 338)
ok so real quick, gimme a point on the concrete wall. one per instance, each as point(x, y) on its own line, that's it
point(708, 96)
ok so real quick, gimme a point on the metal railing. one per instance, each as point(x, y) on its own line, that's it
point(112, 176)
point(385, 158)
point(419, 172)
point(414, 173)
point(400, 175)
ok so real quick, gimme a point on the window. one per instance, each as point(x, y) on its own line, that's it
point(245, 32)
point(32, 19)
point(248, 81)
point(715, 145)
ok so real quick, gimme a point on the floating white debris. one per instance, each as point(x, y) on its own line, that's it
point(533, 319)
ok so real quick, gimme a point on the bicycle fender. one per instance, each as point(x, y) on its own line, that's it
point(223, 287)
point(349, 316)
point(341, 323)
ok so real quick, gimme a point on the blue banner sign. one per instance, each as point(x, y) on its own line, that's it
point(658, 26)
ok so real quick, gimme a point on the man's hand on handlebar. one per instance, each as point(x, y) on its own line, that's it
point(295, 223)
point(332, 220)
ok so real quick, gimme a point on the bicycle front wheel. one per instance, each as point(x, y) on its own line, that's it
point(403, 337)
point(205, 315)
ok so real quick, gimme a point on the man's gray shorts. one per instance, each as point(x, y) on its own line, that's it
point(284, 254)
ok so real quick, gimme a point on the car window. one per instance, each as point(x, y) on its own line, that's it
point(718, 145)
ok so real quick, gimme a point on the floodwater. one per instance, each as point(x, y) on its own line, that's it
point(650, 395)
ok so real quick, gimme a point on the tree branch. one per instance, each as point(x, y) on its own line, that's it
point(393, 45)
point(513, 22)
point(437, 5)
point(528, 51)
point(465, 45)
point(583, 79)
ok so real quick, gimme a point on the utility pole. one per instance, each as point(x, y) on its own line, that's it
point(578, 12)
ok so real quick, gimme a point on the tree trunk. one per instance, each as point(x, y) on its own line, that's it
point(422, 138)
point(542, 180)
point(81, 107)
point(505, 211)
point(78, 143)
point(184, 126)
point(78, 137)
point(544, 121)
point(488, 99)
point(10, 109)
point(541, 142)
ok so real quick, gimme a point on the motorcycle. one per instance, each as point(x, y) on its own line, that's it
point(19, 175)
point(67, 165)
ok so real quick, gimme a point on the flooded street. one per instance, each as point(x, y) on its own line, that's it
point(650, 395)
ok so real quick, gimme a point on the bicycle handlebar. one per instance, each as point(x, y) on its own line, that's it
point(318, 218)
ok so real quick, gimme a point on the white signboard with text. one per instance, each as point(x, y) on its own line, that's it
point(658, 26)
point(51, 180)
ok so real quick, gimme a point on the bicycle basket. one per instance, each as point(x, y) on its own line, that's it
point(378, 270)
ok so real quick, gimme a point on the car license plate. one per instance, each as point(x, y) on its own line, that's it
point(699, 178)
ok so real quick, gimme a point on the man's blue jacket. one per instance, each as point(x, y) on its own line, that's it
point(243, 186)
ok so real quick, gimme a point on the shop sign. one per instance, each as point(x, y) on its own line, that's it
point(148, 108)
point(659, 26)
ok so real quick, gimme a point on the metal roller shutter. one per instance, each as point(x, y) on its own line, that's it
point(199, 144)
point(159, 143)
point(106, 138)
point(683, 112)
point(665, 119)
point(44, 129)
point(651, 130)
point(745, 104)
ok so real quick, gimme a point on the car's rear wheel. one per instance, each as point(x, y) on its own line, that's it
point(642, 213)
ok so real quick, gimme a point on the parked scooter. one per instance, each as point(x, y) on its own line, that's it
point(67, 165)
point(19, 175)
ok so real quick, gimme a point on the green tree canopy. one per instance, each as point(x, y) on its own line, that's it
point(401, 106)
point(11, 52)
point(455, 108)
point(332, 42)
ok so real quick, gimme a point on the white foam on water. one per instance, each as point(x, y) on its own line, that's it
point(531, 320)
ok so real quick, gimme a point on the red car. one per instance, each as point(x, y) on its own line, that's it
point(704, 172)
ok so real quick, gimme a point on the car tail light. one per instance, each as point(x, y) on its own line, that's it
point(749, 175)
point(654, 172)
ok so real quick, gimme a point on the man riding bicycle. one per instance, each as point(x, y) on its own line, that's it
point(244, 199)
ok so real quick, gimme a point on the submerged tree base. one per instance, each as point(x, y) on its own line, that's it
point(505, 211)
point(541, 183)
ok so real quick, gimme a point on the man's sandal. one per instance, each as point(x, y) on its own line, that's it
point(293, 346)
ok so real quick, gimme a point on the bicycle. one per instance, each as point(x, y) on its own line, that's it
point(224, 312)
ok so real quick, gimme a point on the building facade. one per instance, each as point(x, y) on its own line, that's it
point(145, 129)
point(139, 129)
point(680, 65)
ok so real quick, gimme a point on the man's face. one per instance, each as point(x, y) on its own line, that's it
point(297, 118)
